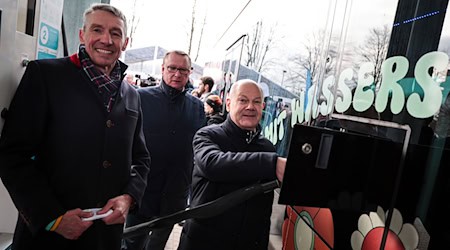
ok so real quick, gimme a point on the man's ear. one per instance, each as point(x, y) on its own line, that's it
point(124, 47)
point(81, 35)
point(228, 101)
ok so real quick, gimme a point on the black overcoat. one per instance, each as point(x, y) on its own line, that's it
point(60, 150)
point(171, 119)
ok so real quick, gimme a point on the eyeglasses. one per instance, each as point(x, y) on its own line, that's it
point(174, 70)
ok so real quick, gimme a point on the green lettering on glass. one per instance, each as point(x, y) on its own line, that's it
point(432, 97)
point(424, 93)
point(268, 132)
point(392, 71)
point(364, 95)
point(298, 109)
point(326, 107)
point(274, 132)
point(281, 117)
point(343, 102)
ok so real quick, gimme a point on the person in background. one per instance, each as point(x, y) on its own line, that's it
point(151, 81)
point(171, 118)
point(228, 157)
point(189, 86)
point(213, 110)
point(205, 86)
point(195, 93)
point(73, 140)
point(130, 79)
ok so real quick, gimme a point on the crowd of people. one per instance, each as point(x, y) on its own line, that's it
point(79, 141)
point(213, 104)
point(138, 82)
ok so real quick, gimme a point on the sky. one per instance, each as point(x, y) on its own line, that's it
point(167, 23)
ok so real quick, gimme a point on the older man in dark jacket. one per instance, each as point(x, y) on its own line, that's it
point(73, 140)
point(228, 157)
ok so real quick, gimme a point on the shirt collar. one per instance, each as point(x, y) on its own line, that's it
point(247, 135)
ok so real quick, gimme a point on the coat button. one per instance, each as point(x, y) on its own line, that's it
point(106, 164)
point(109, 123)
point(173, 132)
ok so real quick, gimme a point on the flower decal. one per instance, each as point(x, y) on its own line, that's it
point(370, 232)
point(297, 232)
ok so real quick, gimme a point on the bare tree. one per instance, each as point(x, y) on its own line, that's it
point(200, 39)
point(192, 32)
point(257, 45)
point(134, 22)
point(374, 49)
point(311, 60)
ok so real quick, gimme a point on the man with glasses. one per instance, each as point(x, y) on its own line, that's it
point(171, 117)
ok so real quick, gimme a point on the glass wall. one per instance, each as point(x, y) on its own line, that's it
point(379, 70)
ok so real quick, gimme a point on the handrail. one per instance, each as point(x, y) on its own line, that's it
point(205, 210)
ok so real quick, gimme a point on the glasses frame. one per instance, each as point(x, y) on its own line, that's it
point(173, 70)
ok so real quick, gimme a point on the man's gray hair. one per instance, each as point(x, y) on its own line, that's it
point(108, 8)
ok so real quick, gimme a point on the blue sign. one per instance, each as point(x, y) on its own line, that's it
point(48, 36)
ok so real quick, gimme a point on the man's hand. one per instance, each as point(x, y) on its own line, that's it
point(71, 226)
point(281, 165)
point(120, 206)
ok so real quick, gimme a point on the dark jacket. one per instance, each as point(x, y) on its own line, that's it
point(171, 118)
point(215, 118)
point(225, 162)
point(60, 150)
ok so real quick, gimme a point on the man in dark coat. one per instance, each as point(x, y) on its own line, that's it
point(171, 118)
point(228, 157)
point(73, 140)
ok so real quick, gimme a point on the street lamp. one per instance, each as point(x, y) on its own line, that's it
point(282, 78)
